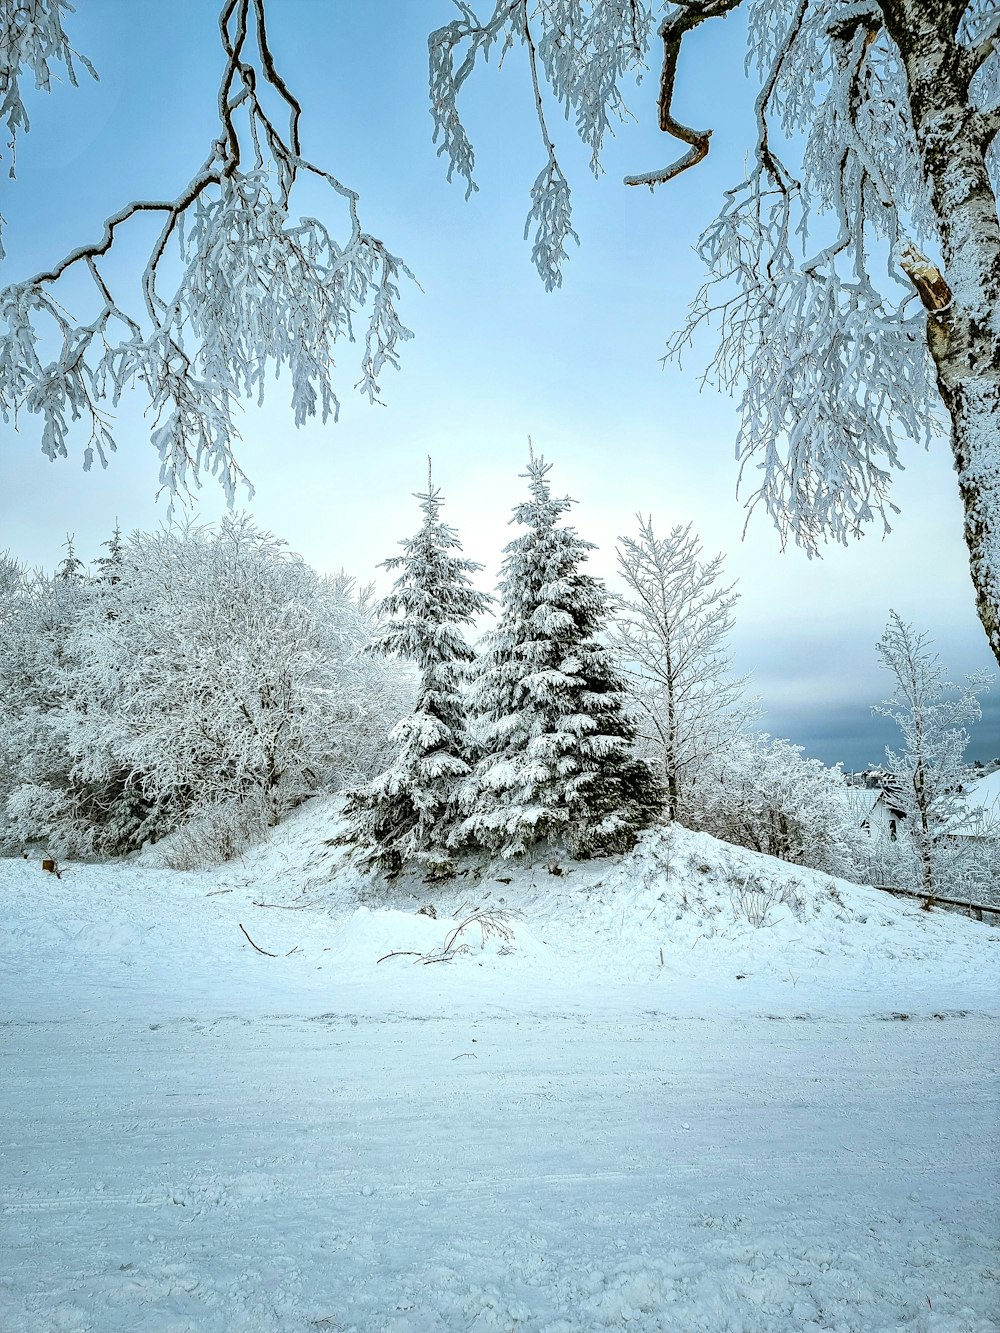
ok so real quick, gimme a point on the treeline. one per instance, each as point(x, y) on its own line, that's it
point(201, 682)
point(583, 717)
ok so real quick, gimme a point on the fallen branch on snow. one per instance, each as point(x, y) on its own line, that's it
point(256, 946)
point(289, 907)
point(492, 921)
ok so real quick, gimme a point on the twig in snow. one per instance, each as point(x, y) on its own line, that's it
point(214, 893)
point(471, 1054)
point(289, 907)
point(256, 946)
point(492, 921)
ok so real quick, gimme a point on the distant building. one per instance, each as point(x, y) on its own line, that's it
point(886, 814)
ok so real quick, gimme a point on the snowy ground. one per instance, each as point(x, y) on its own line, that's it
point(783, 1126)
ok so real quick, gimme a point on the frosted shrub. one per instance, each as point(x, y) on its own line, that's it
point(222, 669)
point(763, 794)
point(218, 832)
point(755, 902)
point(41, 797)
point(201, 670)
point(46, 815)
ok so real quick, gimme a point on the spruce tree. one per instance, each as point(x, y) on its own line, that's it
point(404, 816)
point(70, 568)
point(556, 765)
point(110, 566)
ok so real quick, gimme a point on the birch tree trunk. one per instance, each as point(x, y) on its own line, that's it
point(964, 336)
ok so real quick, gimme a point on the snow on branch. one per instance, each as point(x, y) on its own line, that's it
point(578, 52)
point(830, 373)
point(33, 42)
point(829, 358)
point(233, 289)
point(831, 264)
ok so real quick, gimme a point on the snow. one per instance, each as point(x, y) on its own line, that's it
point(985, 795)
point(978, 816)
point(762, 1129)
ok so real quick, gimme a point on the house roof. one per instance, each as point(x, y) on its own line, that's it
point(982, 800)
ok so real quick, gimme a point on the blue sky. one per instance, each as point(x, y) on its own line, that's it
point(495, 358)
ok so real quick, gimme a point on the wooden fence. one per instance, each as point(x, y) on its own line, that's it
point(980, 911)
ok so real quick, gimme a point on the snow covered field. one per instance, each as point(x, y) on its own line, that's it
point(644, 1112)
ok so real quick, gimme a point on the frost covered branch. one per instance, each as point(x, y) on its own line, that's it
point(832, 366)
point(233, 289)
point(855, 286)
point(578, 52)
point(32, 42)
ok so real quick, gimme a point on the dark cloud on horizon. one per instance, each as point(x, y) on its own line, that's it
point(823, 702)
point(850, 734)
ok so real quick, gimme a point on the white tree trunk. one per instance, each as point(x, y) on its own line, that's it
point(964, 337)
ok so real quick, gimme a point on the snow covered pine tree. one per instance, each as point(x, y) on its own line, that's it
point(549, 709)
point(404, 815)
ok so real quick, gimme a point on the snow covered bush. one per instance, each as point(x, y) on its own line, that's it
point(762, 793)
point(550, 711)
point(216, 831)
point(47, 814)
point(405, 815)
point(203, 670)
point(42, 798)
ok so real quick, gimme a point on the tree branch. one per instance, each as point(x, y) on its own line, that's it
point(256, 946)
point(672, 31)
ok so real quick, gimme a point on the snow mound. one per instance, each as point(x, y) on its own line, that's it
point(121, 938)
point(714, 887)
point(683, 924)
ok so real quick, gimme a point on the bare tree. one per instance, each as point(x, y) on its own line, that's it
point(670, 635)
point(854, 275)
point(928, 775)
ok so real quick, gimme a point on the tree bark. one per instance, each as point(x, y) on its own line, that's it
point(673, 792)
point(964, 337)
